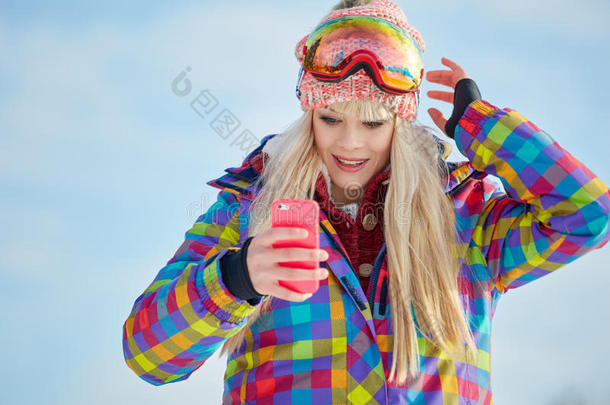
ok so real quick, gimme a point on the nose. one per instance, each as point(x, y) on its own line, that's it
point(350, 139)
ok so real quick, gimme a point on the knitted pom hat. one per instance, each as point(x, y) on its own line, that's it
point(315, 93)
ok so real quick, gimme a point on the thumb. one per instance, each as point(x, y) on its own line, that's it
point(438, 118)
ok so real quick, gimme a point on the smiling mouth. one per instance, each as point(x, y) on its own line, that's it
point(350, 162)
point(350, 165)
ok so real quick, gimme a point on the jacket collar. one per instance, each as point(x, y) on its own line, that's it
point(240, 180)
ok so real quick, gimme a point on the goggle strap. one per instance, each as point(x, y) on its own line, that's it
point(298, 89)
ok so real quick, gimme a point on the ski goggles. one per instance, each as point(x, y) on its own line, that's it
point(340, 47)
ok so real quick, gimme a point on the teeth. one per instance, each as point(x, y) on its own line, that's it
point(350, 163)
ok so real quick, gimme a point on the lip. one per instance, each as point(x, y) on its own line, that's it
point(349, 159)
point(350, 169)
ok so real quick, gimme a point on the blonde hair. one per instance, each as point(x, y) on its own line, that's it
point(422, 265)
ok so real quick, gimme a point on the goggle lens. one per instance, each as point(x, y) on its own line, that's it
point(336, 48)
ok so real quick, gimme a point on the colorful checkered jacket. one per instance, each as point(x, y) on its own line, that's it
point(546, 210)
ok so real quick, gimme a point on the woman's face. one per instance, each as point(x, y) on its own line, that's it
point(342, 136)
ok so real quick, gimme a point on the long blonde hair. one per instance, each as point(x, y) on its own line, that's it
point(420, 233)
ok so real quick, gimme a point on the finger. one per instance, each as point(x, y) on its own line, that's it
point(293, 254)
point(441, 95)
point(291, 274)
point(459, 71)
point(440, 76)
point(438, 118)
point(289, 295)
point(277, 233)
point(450, 64)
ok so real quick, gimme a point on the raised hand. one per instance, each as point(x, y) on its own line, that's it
point(447, 78)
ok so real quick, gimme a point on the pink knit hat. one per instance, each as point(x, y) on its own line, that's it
point(315, 93)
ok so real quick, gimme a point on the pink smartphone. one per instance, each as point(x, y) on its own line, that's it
point(298, 213)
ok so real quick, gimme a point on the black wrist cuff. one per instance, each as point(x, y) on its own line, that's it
point(466, 91)
point(234, 270)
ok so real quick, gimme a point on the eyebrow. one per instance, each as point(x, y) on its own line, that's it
point(330, 109)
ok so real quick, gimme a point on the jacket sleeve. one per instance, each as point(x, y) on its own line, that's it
point(556, 209)
point(187, 312)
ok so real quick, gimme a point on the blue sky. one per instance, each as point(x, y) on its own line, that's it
point(103, 169)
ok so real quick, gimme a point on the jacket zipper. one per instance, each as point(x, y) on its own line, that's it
point(375, 277)
point(351, 289)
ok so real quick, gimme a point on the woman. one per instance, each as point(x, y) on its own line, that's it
point(415, 250)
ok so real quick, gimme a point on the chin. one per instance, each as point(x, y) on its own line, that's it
point(344, 179)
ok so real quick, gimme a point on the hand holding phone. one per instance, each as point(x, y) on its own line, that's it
point(274, 253)
point(304, 214)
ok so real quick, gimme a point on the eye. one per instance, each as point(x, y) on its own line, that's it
point(373, 124)
point(329, 120)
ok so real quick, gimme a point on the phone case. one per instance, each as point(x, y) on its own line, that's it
point(298, 213)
